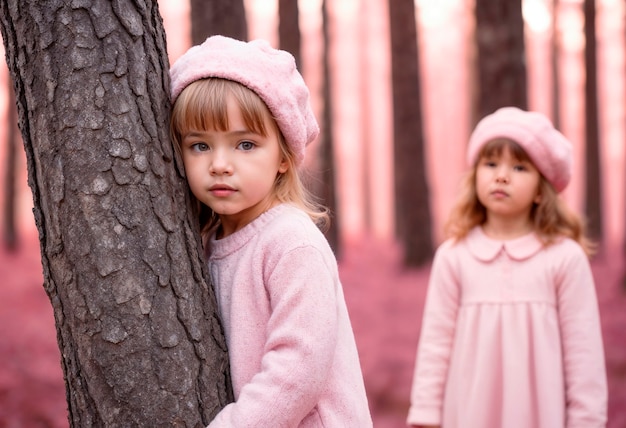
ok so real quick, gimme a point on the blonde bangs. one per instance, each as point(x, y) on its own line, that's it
point(203, 105)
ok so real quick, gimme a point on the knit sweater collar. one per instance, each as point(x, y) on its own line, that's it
point(486, 249)
point(223, 247)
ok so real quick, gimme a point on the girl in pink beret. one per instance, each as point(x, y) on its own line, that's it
point(241, 120)
point(511, 333)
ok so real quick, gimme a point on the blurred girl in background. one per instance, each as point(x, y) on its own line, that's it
point(511, 332)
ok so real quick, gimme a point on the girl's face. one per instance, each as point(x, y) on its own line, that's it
point(507, 187)
point(233, 171)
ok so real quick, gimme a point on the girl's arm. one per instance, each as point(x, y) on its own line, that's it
point(435, 343)
point(581, 337)
point(302, 334)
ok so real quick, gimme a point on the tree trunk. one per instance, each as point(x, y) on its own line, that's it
point(593, 188)
point(624, 249)
point(289, 29)
point(212, 17)
point(413, 222)
point(326, 187)
point(140, 338)
point(10, 237)
point(555, 69)
point(500, 55)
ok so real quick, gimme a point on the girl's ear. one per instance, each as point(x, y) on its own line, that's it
point(537, 199)
point(283, 166)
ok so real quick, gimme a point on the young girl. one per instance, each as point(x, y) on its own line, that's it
point(511, 334)
point(241, 119)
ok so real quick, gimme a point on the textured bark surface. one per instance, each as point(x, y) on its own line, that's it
point(140, 340)
point(413, 218)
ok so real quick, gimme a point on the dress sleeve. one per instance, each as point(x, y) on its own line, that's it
point(435, 342)
point(581, 337)
point(300, 346)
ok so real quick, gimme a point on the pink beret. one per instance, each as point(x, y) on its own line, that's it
point(270, 73)
point(550, 151)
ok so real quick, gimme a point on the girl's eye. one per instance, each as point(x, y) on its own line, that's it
point(246, 145)
point(199, 147)
point(522, 166)
point(489, 163)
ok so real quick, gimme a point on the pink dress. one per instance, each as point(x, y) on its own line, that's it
point(510, 338)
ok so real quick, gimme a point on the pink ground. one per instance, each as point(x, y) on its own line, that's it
point(385, 303)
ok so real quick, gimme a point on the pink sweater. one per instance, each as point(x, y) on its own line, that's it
point(293, 356)
point(511, 338)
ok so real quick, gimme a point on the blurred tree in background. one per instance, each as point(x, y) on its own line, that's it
point(289, 29)
point(593, 185)
point(326, 186)
point(217, 17)
point(501, 56)
point(555, 45)
point(413, 218)
point(10, 236)
point(322, 180)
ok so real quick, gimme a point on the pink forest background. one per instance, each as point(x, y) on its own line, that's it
point(385, 299)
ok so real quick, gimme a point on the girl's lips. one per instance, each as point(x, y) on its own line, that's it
point(221, 190)
point(499, 194)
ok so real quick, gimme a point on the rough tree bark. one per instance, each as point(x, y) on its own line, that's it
point(140, 339)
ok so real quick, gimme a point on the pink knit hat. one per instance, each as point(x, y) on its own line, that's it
point(549, 150)
point(269, 72)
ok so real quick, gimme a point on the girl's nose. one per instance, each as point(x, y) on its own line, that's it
point(220, 163)
point(502, 175)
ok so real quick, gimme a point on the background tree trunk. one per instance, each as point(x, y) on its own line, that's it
point(289, 29)
point(137, 327)
point(212, 17)
point(413, 221)
point(555, 69)
point(326, 187)
point(593, 187)
point(9, 236)
point(501, 56)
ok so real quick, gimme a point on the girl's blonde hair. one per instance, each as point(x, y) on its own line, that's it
point(202, 105)
point(552, 219)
